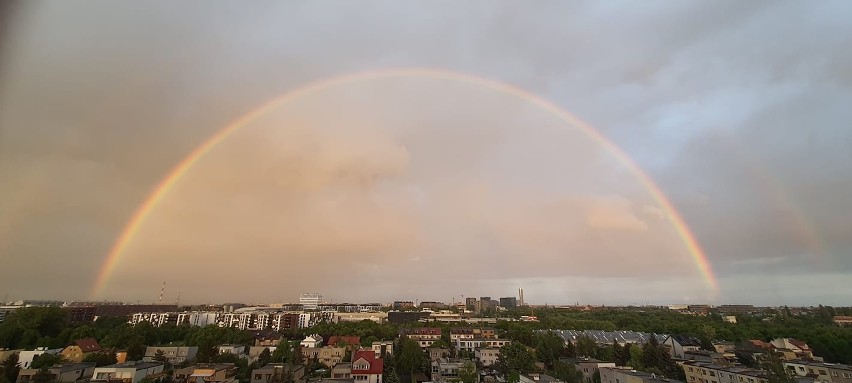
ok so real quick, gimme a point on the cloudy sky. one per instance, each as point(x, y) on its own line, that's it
point(421, 187)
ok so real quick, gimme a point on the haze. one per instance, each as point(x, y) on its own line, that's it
point(421, 188)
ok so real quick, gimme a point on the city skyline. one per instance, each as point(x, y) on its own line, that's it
point(601, 153)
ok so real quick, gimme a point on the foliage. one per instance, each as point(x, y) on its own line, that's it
point(549, 347)
point(264, 358)
point(409, 357)
point(774, 366)
point(30, 327)
point(45, 361)
point(586, 346)
point(11, 368)
point(467, 372)
point(567, 373)
point(515, 357)
point(101, 359)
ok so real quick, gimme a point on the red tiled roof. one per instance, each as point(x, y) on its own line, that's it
point(376, 364)
point(88, 344)
point(349, 340)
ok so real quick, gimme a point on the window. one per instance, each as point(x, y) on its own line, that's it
point(822, 372)
point(801, 368)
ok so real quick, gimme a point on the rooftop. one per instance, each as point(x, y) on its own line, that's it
point(134, 364)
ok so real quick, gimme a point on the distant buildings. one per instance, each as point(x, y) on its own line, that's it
point(509, 302)
point(839, 320)
point(607, 337)
point(310, 301)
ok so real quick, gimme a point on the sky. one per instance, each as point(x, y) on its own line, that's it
point(426, 187)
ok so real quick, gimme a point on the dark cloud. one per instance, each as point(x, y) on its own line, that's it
point(428, 188)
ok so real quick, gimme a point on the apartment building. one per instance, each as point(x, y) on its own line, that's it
point(821, 372)
point(128, 372)
point(701, 372)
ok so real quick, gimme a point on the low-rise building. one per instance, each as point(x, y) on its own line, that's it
point(312, 341)
point(327, 355)
point(378, 317)
point(366, 367)
point(843, 320)
point(382, 348)
point(626, 375)
point(446, 370)
point(793, 349)
point(820, 371)
point(424, 336)
point(206, 373)
point(128, 372)
point(255, 351)
point(80, 349)
point(487, 356)
point(344, 341)
point(273, 371)
point(678, 344)
point(436, 353)
point(701, 372)
point(69, 372)
point(234, 349)
point(473, 344)
point(25, 358)
point(538, 378)
point(587, 366)
point(342, 371)
point(174, 355)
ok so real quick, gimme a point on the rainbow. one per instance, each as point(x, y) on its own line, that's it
point(179, 170)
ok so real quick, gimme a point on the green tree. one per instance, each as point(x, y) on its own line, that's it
point(410, 357)
point(774, 367)
point(652, 354)
point(11, 368)
point(567, 372)
point(296, 355)
point(549, 347)
point(264, 358)
point(45, 361)
point(467, 372)
point(101, 359)
point(515, 357)
point(282, 351)
point(586, 346)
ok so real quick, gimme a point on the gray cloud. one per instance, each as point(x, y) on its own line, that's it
point(423, 187)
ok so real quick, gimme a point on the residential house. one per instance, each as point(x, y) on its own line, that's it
point(206, 373)
point(327, 355)
point(350, 342)
point(473, 344)
point(819, 371)
point(174, 355)
point(487, 356)
point(626, 375)
point(701, 372)
point(538, 378)
point(587, 366)
point(312, 341)
point(438, 352)
point(255, 351)
point(677, 344)
point(273, 370)
point(382, 348)
point(25, 358)
point(424, 336)
point(342, 371)
point(366, 368)
point(235, 349)
point(472, 333)
point(80, 349)
point(128, 372)
point(62, 373)
point(446, 370)
point(793, 349)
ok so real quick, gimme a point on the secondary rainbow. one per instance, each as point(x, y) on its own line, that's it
point(174, 176)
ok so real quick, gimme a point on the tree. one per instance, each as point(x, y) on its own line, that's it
point(774, 367)
point(45, 361)
point(410, 357)
point(652, 354)
point(467, 372)
point(567, 373)
point(296, 356)
point(622, 354)
point(264, 357)
point(515, 357)
point(101, 359)
point(549, 347)
point(282, 351)
point(11, 368)
point(43, 376)
point(586, 346)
